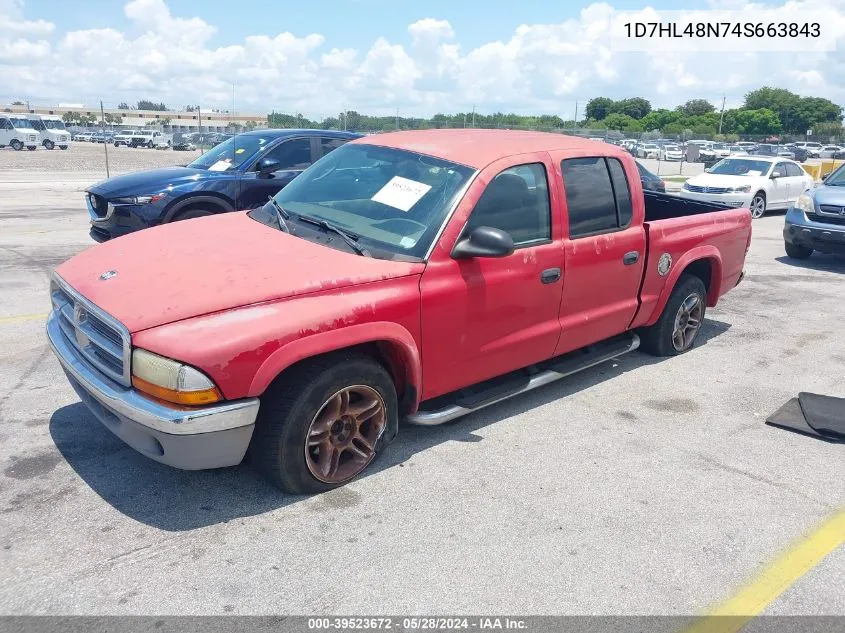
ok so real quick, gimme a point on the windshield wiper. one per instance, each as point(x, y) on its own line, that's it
point(349, 238)
point(281, 214)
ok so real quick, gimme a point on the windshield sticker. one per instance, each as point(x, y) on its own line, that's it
point(753, 172)
point(407, 242)
point(240, 150)
point(221, 165)
point(401, 193)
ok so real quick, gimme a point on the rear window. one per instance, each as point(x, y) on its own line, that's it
point(598, 199)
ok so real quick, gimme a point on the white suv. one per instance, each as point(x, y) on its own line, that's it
point(124, 137)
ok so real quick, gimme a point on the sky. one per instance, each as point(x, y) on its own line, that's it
point(380, 56)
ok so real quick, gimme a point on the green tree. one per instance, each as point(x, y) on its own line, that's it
point(659, 119)
point(151, 105)
point(696, 107)
point(760, 121)
point(123, 106)
point(599, 107)
point(636, 107)
point(622, 122)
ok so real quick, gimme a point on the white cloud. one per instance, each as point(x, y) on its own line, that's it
point(421, 70)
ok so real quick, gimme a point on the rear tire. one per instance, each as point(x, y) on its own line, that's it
point(49, 144)
point(16, 145)
point(797, 252)
point(685, 311)
point(149, 145)
point(304, 424)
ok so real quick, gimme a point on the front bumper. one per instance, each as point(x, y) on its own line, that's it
point(730, 199)
point(825, 237)
point(189, 438)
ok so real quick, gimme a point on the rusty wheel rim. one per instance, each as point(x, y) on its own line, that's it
point(687, 322)
point(342, 437)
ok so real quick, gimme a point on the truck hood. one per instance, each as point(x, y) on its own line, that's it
point(154, 180)
point(194, 267)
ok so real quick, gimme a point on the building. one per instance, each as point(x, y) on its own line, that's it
point(179, 120)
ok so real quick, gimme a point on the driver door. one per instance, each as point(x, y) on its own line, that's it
point(486, 316)
point(294, 155)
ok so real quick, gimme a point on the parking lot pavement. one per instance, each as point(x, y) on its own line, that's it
point(646, 486)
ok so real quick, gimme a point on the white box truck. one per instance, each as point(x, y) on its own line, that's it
point(17, 132)
point(52, 129)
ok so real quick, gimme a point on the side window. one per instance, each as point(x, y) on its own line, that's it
point(516, 201)
point(5, 124)
point(591, 200)
point(782, 168)
point(293, 154)
point(793, 170)
point(621, 192)
point(329, 144)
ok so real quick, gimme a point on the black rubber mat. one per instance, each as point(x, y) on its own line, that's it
point(791, 418)
point(825, 414)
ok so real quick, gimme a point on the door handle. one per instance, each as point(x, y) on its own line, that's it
point(632, 257)
point(550, 275)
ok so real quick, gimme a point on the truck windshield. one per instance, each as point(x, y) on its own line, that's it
point(231, 154)
point(393, 200)
point(741, 167)
point(21, 123)
point(54, 125)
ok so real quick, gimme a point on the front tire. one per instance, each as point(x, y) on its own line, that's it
point(758, 205)
point(190, 214)
point(323, 423)
point(63, 147)
point(797, 252)
point(678, 326)
point(49, 145)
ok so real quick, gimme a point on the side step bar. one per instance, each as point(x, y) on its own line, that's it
point(469, 400)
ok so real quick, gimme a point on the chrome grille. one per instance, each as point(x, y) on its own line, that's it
point(700, 189)
point(838, 220)
point(97, 336)
point(832, 209)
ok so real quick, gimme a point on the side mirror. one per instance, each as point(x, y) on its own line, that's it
point(777, 174)
point(707, 170)
point(484, 241)
point(267, 166)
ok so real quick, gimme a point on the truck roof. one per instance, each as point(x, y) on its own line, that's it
point(478, 148)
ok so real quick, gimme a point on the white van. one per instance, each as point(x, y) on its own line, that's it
point(17, 131)
point(52, 129)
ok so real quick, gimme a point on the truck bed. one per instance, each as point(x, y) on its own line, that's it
point(663, 206)
point(688, 231)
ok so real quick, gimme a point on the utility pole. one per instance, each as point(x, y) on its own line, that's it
point(722, 114)
point(103, 131)
point(473, 115)
point(199, 127)
point(576, 115)
point(397, 118)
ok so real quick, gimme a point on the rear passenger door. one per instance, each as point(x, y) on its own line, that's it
point(798, 181)
point(604, 249)
point(294, 156)
point(779, 191)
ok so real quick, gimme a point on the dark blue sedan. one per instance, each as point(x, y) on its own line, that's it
point(240, 173)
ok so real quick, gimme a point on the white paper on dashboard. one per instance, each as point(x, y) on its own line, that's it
point(753, 172)
point(221, 165)
point(401, 193)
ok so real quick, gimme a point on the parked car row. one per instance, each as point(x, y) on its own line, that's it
point(32, 131)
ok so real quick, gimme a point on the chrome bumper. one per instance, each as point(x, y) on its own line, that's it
point(193, 439)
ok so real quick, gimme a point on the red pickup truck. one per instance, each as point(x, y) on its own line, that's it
point(412, 275)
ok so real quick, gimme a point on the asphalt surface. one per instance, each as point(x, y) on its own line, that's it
point(644, 486)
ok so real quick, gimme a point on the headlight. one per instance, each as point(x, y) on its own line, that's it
point(805, 204)
point(745, 189)
point(139, 199)
point(171, 380)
